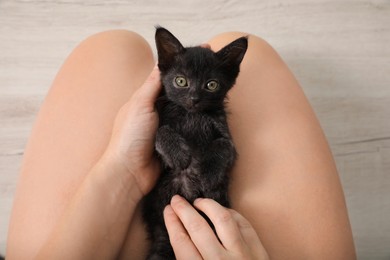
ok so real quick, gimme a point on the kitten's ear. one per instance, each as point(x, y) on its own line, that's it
point(168, 46)
point(232, 54)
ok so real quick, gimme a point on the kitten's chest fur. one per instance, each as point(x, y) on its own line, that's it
point(199, 131)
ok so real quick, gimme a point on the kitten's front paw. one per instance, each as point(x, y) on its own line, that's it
point(183, 159)
point(224, 148)
point(172, 148)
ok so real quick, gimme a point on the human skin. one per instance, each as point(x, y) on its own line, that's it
point(284, 183)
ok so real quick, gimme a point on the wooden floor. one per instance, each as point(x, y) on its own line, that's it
point(338, 49)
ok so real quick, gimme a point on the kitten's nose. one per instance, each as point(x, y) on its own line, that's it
point(194, 100)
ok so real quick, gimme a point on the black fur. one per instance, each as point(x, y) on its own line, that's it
point(193, 139)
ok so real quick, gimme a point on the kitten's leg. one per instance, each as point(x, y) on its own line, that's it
point(153, 207)
point(172, 148)
point(216, 164)
point(218, 160)
point(161, 248)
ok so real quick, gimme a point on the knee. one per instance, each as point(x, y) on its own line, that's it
point(223, 39)
point(257, 47)
point(116, 45)
point(115, 62)
point(118, 40)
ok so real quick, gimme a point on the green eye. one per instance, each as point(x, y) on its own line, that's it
point(181, 82)
point(212, 86)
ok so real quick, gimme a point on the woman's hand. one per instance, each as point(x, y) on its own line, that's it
point(132, 142)
point(94, 224)
point(192, 238)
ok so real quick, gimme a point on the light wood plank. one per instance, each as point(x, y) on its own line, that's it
point(338, 50)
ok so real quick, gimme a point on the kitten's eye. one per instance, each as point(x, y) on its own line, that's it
point(181, 82)
point(212, 86)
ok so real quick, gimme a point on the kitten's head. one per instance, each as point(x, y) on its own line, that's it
point(197, 78)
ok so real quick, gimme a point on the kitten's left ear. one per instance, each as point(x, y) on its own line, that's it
point(168, 46)
point(232, 54)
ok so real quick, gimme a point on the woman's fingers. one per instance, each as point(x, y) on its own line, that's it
point(152, 86)
point(235, 232)
point(225, 224)
point(197, 228)
point(181, 243)
point(192, 238)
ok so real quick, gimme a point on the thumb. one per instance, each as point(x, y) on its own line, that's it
point(151, 87)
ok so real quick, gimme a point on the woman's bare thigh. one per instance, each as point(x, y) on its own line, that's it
point(72, 130)
point(285, 180)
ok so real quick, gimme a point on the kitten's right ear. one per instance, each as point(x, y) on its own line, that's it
point(168, 46)
point(232, 54)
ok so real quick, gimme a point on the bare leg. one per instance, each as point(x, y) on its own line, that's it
point(72, 130)
point(285, 180)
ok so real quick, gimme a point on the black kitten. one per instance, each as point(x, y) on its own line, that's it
point(193, 139)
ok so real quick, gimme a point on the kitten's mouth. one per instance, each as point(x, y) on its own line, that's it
point(192, 107)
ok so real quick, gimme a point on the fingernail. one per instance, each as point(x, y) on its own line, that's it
point(168, 209)
point(176, 198)
point(198, 200)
